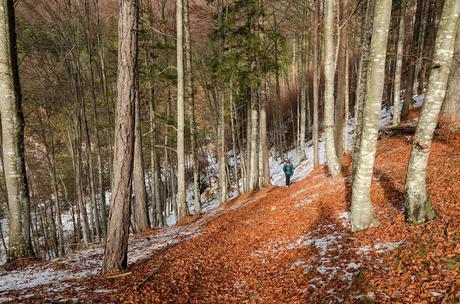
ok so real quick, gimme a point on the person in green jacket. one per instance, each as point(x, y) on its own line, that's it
point(288, 169)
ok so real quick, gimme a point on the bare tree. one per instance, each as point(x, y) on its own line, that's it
point(417, 206)
point(181, 203)
point(329, 72)
point(141, 213)
point(362, 211)
point(116, 248)
point(399, 62)
point(12, 122)
point(451, 106)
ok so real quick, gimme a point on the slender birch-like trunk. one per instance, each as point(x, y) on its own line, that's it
point(418, 208)
point(12, 122)
point(329, 72)
point(253, 142)
point(399, 61)
point(303, 98)
point(221, 149)
point(181, 203)
point(264, 168)
point(116, 248)
point(190, 94)
point(339, 112)
point(316, 75)
point(346, 113)
point(412, 60)
point(362, 212)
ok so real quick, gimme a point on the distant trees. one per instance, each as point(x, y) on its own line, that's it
point(12, 123)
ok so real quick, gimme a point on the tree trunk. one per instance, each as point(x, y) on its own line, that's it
point(181, 203)
point(450, 110)
point(191, 106)
point(346, 113)
point(341, 81)
point(12, 122)
point(412, 60)
point(399, 62)
point(361, 90)
point(329, 71)
point(233, 119)
point(116, 248)
point(253, 142)
point(362, 211)
point(264, 168)
point(141, 213)
point(417, 206)
point(221, 149)
point(303, 97)
point(316, 75)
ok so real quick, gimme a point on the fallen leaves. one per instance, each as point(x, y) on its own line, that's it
point(294, 245)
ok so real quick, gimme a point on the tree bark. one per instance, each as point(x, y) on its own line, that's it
point(341, 81)
point(116, 248)
point(221, 149)
point(264, 168)
point(316, 75)
point(362, 212)
point(412, 60)
point(181, 203)
point(141, 213)
point(417, 205)
point(361, 90)
point(399, 62)
point(450, 110)
point(329, 71)
point(12, 121)
point(303, 97)
point(190, 94)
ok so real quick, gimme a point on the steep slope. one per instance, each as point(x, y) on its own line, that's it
point(287, 245)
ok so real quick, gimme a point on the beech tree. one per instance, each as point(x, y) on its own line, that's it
point(362, 213)
point(329, 72)
point(181, 203)
point(418, 208)
point(399, 61)
point(116, 247)
point(12, 123)
point(450, 110)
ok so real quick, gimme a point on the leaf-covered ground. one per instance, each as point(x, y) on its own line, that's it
point(294, 245)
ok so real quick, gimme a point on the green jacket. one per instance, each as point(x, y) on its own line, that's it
point(288, 169)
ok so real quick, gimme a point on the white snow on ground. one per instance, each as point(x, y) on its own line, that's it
point(327, 240)
point(88, 262)
point(302, 169)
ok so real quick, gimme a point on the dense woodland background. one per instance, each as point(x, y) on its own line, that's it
point(218, 92)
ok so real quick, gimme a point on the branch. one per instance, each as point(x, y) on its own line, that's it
point(166, 147)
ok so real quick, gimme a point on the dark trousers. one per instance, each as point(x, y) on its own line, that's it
point(288, 179)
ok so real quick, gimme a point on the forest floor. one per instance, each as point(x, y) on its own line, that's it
point(284, 245)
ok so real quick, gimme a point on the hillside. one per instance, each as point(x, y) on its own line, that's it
point(281, 245)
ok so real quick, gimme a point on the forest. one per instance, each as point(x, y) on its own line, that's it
point(230, 151)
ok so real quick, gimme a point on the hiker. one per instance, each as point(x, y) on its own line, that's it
point(288, 169)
